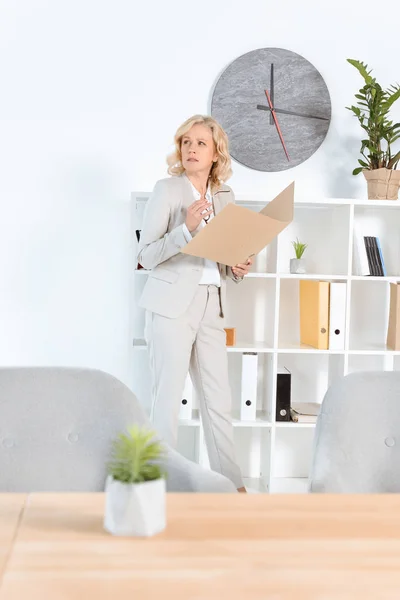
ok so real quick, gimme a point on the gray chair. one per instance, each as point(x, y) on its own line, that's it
point(56, 427)
point(357, 436)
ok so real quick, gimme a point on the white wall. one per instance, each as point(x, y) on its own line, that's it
point(92, 92)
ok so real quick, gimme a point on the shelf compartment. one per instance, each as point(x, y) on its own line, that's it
point(369, 313)
point(252, 448)
point(292, 452)
point(289, 318)
point(311, 375)
point(326, 231)
point(251, 310)
point(369, 362)
point(384, 223)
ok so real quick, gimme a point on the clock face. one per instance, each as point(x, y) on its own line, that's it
point(287, 82)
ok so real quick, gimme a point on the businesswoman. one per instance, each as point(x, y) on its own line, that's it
point(185, 296)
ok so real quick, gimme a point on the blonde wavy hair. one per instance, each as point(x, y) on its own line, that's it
point(221, 169)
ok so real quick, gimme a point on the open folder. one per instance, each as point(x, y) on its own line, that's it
point(237, 233)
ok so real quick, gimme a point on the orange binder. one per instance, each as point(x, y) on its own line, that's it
point(314, 313)
point(393, 332)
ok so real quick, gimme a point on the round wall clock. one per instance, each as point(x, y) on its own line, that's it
point(275, 108)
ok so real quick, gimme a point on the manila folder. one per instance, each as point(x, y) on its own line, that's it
point(236, 233)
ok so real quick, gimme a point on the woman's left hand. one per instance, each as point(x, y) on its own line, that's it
point(242, 270)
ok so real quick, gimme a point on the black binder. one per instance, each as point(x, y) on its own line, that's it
point(283, 395)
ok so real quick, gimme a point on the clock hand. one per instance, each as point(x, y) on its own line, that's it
point(271, 88)
point(290, 112)
point(276, 123)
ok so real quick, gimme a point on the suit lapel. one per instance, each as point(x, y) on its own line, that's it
point(218, 197)
point(219, 200)
point(188, 198)
point(216, 204)
point(187, 192)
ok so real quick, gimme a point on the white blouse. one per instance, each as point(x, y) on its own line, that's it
point(210, 275)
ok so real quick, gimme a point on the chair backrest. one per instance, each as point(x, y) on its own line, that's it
point(56, 427)
point(357, 436)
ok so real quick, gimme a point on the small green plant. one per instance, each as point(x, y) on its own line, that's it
point(136, 456)
point(299, 248)
point(372, 112)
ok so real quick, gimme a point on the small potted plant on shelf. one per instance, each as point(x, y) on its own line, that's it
point(379, 161)
point(135, 487)
point(297, 265)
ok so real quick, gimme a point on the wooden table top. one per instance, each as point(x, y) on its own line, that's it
point(11, 509)
point(216, 546)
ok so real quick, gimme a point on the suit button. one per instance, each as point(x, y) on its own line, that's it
point(390, 442)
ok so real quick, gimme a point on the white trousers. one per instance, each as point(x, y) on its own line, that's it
point(194, 342)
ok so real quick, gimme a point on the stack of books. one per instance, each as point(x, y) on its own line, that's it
point(305, 412)
point(368, 254)
point(374, 254)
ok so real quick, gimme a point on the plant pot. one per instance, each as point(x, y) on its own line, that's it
point(137, 509)
point(383, 184)
point(297, 265)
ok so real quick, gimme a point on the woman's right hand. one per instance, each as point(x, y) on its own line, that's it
point(195, 213)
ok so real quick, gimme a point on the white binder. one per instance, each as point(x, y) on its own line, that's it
point(337, 315)
point(185, 411)
point(248, 396)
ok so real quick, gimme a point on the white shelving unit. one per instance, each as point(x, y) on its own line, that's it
point(264, 309)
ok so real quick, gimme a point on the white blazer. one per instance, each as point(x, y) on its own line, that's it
point(174, 277)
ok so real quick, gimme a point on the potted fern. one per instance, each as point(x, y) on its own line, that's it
point(379, 161)
point(297, 265)
point(135, 487)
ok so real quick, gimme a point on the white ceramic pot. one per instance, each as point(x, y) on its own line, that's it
point(297, 265)
point(135, 509)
